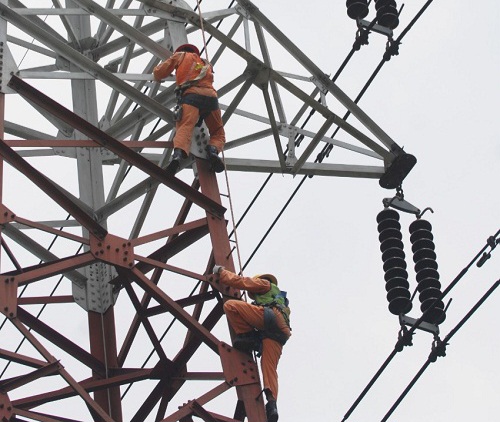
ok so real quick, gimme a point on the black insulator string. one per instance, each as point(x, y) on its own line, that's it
point(432, 357)
point(409, 332)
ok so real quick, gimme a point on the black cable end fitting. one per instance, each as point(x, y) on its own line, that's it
point(391, 49)
point(405, 338)
point(361, 39)
point(438, 350)
point(483, 259)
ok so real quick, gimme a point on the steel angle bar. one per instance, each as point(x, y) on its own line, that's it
point(49, 269)
point(41, 417)
point(171, 268)
point(21, 359)
point(19, 381)
point(248, 139)
point(340, 144)
point(35, 324)
point(84, 63)
point(185, 302)
point(230, 34)
point(204, 399)
point(162, 298)
point(238, 97)
point(304, 107)
point(118, 44)
point(52, 223)
point(309, 169)
point(312, 145)
point(178, 369)
point(55, 74)
point(60, 196)
point(25, 132)
point(201, 412)
point(153, 338)
point(134, 326)
point(90, 385)
point(174, 246)
point(116, 147)
point(115, 203)
point(82, 143)
point(274, 127)
point(123, 126)
point(194, 19)
point(45, 228)
point(360, 136)
point(31, 47)
point(44, 300)
point(232, 84)
point(36, 21)
point(39, 251)
point(169, 232)
point(124, 28)
point(267, 61)
point(217, 15)
point(317, 73)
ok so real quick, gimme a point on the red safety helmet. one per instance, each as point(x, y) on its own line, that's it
point(188, 47)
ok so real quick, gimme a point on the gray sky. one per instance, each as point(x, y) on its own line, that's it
point(439, 100)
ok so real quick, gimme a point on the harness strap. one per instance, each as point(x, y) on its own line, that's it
point(271, 329)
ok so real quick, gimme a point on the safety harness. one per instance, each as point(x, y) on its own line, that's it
point(180, 89)
point(274, 298)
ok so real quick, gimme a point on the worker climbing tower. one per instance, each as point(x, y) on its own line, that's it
point(110, 309)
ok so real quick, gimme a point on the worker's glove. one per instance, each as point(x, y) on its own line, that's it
point(217, 269)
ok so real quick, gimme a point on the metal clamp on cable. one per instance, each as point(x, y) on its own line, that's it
point(405, 338)
point(438, 349)
point(492, 243)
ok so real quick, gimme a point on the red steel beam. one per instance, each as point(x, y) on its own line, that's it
point(48, 269)
point(177, 311)
point(53, 190)
point(134, 326)
point(222, 256)
point(107, 141)
point(103, 346)
point(97, 412)
point(89, 385)
point(60, 341)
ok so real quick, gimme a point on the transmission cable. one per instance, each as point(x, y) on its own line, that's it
point(414, 327)
point(327, 149)
point(433, 355)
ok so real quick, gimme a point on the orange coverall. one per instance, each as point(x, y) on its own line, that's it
point(244, 317)
point(187, 67)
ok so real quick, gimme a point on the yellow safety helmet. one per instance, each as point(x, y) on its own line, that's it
point(268, 277)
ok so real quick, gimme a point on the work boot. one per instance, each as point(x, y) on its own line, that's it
point(216, 163)
point(271, 411)
point(246, 342)
point(175, 161)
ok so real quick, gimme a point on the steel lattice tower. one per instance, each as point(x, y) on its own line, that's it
point(105, 268)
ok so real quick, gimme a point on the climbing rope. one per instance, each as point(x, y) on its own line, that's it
point(202, 30)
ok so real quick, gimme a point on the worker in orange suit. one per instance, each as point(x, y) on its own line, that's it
point(197, 100)
point(264, 322)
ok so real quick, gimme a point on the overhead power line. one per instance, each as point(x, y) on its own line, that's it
point(415, 326)
point(433, 355)
point(327, 148)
